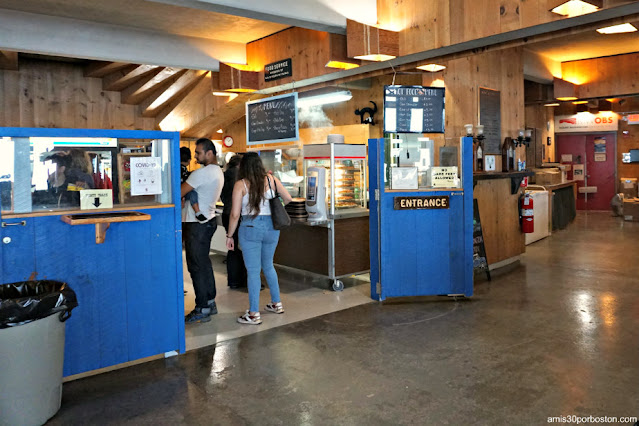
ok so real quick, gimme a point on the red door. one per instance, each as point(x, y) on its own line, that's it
point(572, 149)
point(597, 153)
point(600, 170)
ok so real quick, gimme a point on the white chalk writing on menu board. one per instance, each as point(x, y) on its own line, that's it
point(414, 109)
point(272, 120)
point(490, 118)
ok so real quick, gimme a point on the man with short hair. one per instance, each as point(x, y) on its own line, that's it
point(207, 181)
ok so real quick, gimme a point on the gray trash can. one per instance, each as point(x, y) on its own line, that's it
point(32, 332)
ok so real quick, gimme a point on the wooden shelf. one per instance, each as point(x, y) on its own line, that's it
point(102, 221)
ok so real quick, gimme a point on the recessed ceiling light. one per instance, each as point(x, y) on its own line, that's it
point(567, 98)
point(579, 102)
point(553, 104)
point(375, 57)
point(431, 67)
point(618, 29)
point(341, 65)
point(572, 8)
point(230, 95)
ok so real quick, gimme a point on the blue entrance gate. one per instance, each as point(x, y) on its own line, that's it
point(420, 252)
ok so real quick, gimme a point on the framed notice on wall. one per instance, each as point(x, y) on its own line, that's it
point(272, 120)
point(490, 117)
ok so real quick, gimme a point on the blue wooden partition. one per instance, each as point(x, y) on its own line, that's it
point(420, 252)
point(129, 289)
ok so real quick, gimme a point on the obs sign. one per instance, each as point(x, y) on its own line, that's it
point(586, 122)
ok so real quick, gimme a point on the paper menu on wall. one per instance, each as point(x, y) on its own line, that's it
point(146, 176)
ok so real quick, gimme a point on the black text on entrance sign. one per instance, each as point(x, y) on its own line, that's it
point(414, 203)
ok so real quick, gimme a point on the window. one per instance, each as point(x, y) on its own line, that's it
point(47, 174)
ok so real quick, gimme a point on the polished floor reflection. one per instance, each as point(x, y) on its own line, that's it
point(554, 336)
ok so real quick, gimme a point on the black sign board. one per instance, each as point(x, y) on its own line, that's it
point(414, 109)
point(272, 120)
point(480, 262)
point(277, 70)
point(420, 203)
point(490, 118)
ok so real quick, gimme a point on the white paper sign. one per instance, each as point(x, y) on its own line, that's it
point(91, 199)
point(566, 158)
point(404, 178)
point(600, 157)
point(146, 176)
point(444, 177)
point(578, 172)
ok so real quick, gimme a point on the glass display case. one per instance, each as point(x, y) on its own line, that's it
point(286, 165)
point(347, 163)
point(415, 162)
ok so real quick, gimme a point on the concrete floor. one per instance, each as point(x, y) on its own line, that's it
point(555, 336)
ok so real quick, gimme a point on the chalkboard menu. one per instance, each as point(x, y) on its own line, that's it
point(414, 109)
point(272, 120)
point(479, 249)
point(490, 118)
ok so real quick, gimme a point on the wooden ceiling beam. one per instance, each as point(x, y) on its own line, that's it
point(125, 77)
point(143, 88)
point(225, 114)
point(160, 106)
point(233, 79)
point(194, 107)
point(8, 60)
point(99, 69)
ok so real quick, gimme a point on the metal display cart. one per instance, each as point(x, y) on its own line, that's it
point(346, 196)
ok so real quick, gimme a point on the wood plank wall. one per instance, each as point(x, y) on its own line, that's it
point(462, 79)
point(445, 22)
point(338, 115)
point(309, 51)
point(56, 94)
point(604, 77)
point(542, 119)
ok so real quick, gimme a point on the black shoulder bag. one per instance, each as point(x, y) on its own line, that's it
point(279, 216)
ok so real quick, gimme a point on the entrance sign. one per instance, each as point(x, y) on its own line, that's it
point(91, 199)
point(586, 122)
point(146, 176)
point(415, 203)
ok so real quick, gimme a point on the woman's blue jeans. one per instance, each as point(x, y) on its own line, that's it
point(258, 241)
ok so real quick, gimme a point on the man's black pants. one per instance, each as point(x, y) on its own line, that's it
point(197, 244)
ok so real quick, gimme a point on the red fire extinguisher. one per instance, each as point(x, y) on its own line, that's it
point(527, 215)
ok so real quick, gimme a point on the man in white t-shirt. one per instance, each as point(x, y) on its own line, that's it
point(207, 182)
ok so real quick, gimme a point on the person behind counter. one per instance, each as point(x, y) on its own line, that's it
point(235, 269)
point(257, 237)
point(207, 181)
point(73, 174)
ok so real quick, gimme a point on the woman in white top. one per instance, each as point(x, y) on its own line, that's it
point(257, 237)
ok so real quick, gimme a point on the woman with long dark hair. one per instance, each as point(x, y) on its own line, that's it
point(258, 239)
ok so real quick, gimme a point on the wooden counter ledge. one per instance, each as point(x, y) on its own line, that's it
point(102, 221)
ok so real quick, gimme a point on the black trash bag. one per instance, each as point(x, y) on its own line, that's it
point(27, 301)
